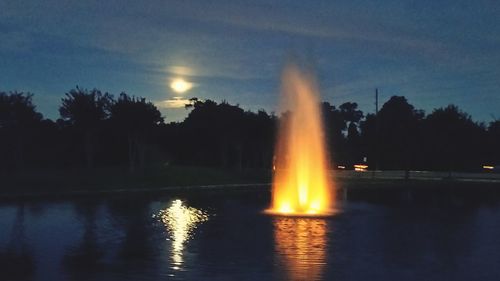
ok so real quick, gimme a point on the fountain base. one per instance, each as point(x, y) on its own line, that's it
point(322, 214)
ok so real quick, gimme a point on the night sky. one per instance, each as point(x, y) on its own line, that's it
point(433, 52)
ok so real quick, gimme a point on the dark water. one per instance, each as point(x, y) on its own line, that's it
point(379, 235)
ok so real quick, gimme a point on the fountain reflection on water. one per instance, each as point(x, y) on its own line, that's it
point(300, 244)
point(180, 221)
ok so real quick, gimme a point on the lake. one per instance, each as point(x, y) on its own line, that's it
point(379, 234)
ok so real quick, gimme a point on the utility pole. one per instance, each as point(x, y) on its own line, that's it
point(376, 131)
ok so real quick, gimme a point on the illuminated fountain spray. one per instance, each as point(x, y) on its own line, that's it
point(302, 183)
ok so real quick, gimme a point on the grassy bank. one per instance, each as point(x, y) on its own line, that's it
point(116, 179)
point(120, 178)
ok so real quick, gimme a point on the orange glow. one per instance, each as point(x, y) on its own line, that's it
point(302, 182)
point(300, 244)
point(360, 167)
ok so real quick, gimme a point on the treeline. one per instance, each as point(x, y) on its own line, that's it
point(96, 129)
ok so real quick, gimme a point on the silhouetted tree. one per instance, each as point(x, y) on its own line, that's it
point(85, 110)
point(335, 125)
point(453, 139)
point(350, 112)
point(18, 121)
point(352, 116)
point(137, 118)
point(493, 144)
point(221, 134)
point(259, 138)
point(215, 132)
point(368, 139)
point(225, 135)
point(399, 125)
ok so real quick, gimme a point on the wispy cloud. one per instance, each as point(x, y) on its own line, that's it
point(225, 46)
point(175, 102)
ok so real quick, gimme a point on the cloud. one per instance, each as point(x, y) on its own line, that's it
point(223, 46)
point(207, 37)
point(175, 102)
point(331, 22)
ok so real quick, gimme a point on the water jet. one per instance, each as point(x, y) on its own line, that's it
point(302, 184)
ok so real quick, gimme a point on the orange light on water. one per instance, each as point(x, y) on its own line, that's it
point(301, 247)
point(302, 184)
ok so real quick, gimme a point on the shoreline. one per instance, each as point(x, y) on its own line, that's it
point(342, 184)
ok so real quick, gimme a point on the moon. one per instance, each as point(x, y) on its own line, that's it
point(180, 85)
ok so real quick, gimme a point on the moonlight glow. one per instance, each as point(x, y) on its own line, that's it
point(180, 85)
point(180, 221)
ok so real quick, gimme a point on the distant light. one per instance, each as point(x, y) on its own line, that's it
point(487, 167)
point(341, 167)
point(180, 85)
point(360, 167)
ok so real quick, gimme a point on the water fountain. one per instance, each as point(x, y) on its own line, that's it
point(302, 184)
